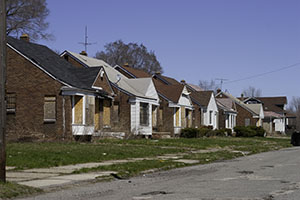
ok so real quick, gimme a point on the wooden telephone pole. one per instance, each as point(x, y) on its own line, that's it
point(2, 89)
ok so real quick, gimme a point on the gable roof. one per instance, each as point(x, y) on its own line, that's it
point(274, 104)
point(226, 104)
point(133, 72)
point(202, 98)
point(136, 87)
point(56, 67)
point(253, 110)
point(166, 80)
point(171, 92)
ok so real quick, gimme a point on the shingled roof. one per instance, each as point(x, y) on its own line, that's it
point(54, 65)
point(275, 104)
point(202, 98)
point(171, 92)
point(135, 73)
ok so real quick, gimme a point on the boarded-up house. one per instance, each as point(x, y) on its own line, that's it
point(46, 96)
point(176, 110)
point(134, 109)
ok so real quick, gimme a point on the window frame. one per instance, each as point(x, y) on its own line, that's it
point(144, 114)
point(48, 100)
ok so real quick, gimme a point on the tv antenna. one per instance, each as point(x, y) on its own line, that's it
point(86, 43)
point(221, 81)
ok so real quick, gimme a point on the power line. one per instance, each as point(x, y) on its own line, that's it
point(265, 73)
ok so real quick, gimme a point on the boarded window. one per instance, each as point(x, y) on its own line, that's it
point(11, 100)
point(50, 109)
point(144, 114)
point(247, 122)
point(177, 112)
point(183, 119)
point(116, 111)
point(160, 121)
point(90, 110)
point(97, 114)
point(106, 112)
point(78, 103)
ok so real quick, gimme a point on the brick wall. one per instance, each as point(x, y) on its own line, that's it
point(31, 85)
point(242, 114)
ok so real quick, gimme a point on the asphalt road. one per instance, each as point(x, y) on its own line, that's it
point(267, 176)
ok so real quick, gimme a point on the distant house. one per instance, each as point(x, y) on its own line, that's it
point(227, 113)
point(210, 113)
point(176, 108)
point(47, 97)
point(135, 105)
point(275, 115)
point(247, 114)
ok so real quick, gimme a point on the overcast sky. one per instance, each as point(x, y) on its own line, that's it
point(194, 39)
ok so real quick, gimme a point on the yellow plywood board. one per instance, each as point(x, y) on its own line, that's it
point(78, 109)
point(97, 114)
point(177, 116)
point(106, 112)
point(183, 120)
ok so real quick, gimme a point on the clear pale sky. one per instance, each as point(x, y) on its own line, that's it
point(193, 39)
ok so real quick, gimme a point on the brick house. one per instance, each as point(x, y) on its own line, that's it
point(135, 104)
point(47, 97)
point(176, 110)
point(247, 114)
point(274, 111)
point(227, 113)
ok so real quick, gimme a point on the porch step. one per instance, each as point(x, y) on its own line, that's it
point(161, 135)
point(104, 134)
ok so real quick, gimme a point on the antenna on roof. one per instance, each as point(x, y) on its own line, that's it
point(221, 81)
point(86, 43)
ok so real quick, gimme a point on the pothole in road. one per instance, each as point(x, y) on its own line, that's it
point(246, 172)
point(155, 193)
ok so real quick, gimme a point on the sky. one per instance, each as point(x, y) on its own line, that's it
point(194, 39)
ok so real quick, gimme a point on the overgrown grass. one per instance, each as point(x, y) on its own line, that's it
point(10, 190)
point(42, 155)
point(125, 170)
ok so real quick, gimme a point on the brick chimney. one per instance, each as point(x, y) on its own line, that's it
point(183, 82)
point(242, 97)
point(25, 37)
point(84, 53)
point(158, 73)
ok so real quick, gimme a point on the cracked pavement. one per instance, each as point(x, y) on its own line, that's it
point(266, 176)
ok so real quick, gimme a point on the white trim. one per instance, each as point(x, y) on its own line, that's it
point(83, 110)
point(73, 109)
point(41, 68)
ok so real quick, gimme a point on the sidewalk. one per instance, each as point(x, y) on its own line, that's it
point(63, 175)
point(48, 178)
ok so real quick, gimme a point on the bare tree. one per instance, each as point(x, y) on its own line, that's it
point(208, 85)
point(27, 16)
point(137, 56)
point(252, 92)
point(294, 108)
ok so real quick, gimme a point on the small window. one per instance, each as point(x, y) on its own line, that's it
point(49, 109)
point(144, 114)
point(11, 100)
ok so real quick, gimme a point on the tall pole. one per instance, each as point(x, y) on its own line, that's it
point(2, 89)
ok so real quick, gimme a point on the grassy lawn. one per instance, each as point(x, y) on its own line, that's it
point(40, 155)
point(10, 190)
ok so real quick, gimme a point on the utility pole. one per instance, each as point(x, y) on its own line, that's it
point(221, 81)
point(2, 89)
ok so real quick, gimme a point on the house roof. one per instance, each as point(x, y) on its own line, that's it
point(226, 104)
point(194, 87)
point(136, 73)
point(202, 98)
point(166, 79)
point(274, 104)
point(137, 87)
point(171, 92)
point(54, 65)
point(253, 110)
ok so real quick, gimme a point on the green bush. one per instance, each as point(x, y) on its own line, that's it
point(228, 131)
point(189, 133)
point(243, 131)
point(203, 131)
point(221, 132)
point(249, 131)
point(260, 131)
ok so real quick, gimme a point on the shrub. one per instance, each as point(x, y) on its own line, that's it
point(228, 131)
point(189, 133)
point(242, 131)
point(203, 131)
point(221, 132)
point(260, 131)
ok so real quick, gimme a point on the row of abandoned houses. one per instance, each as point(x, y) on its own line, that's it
point(70, 95)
